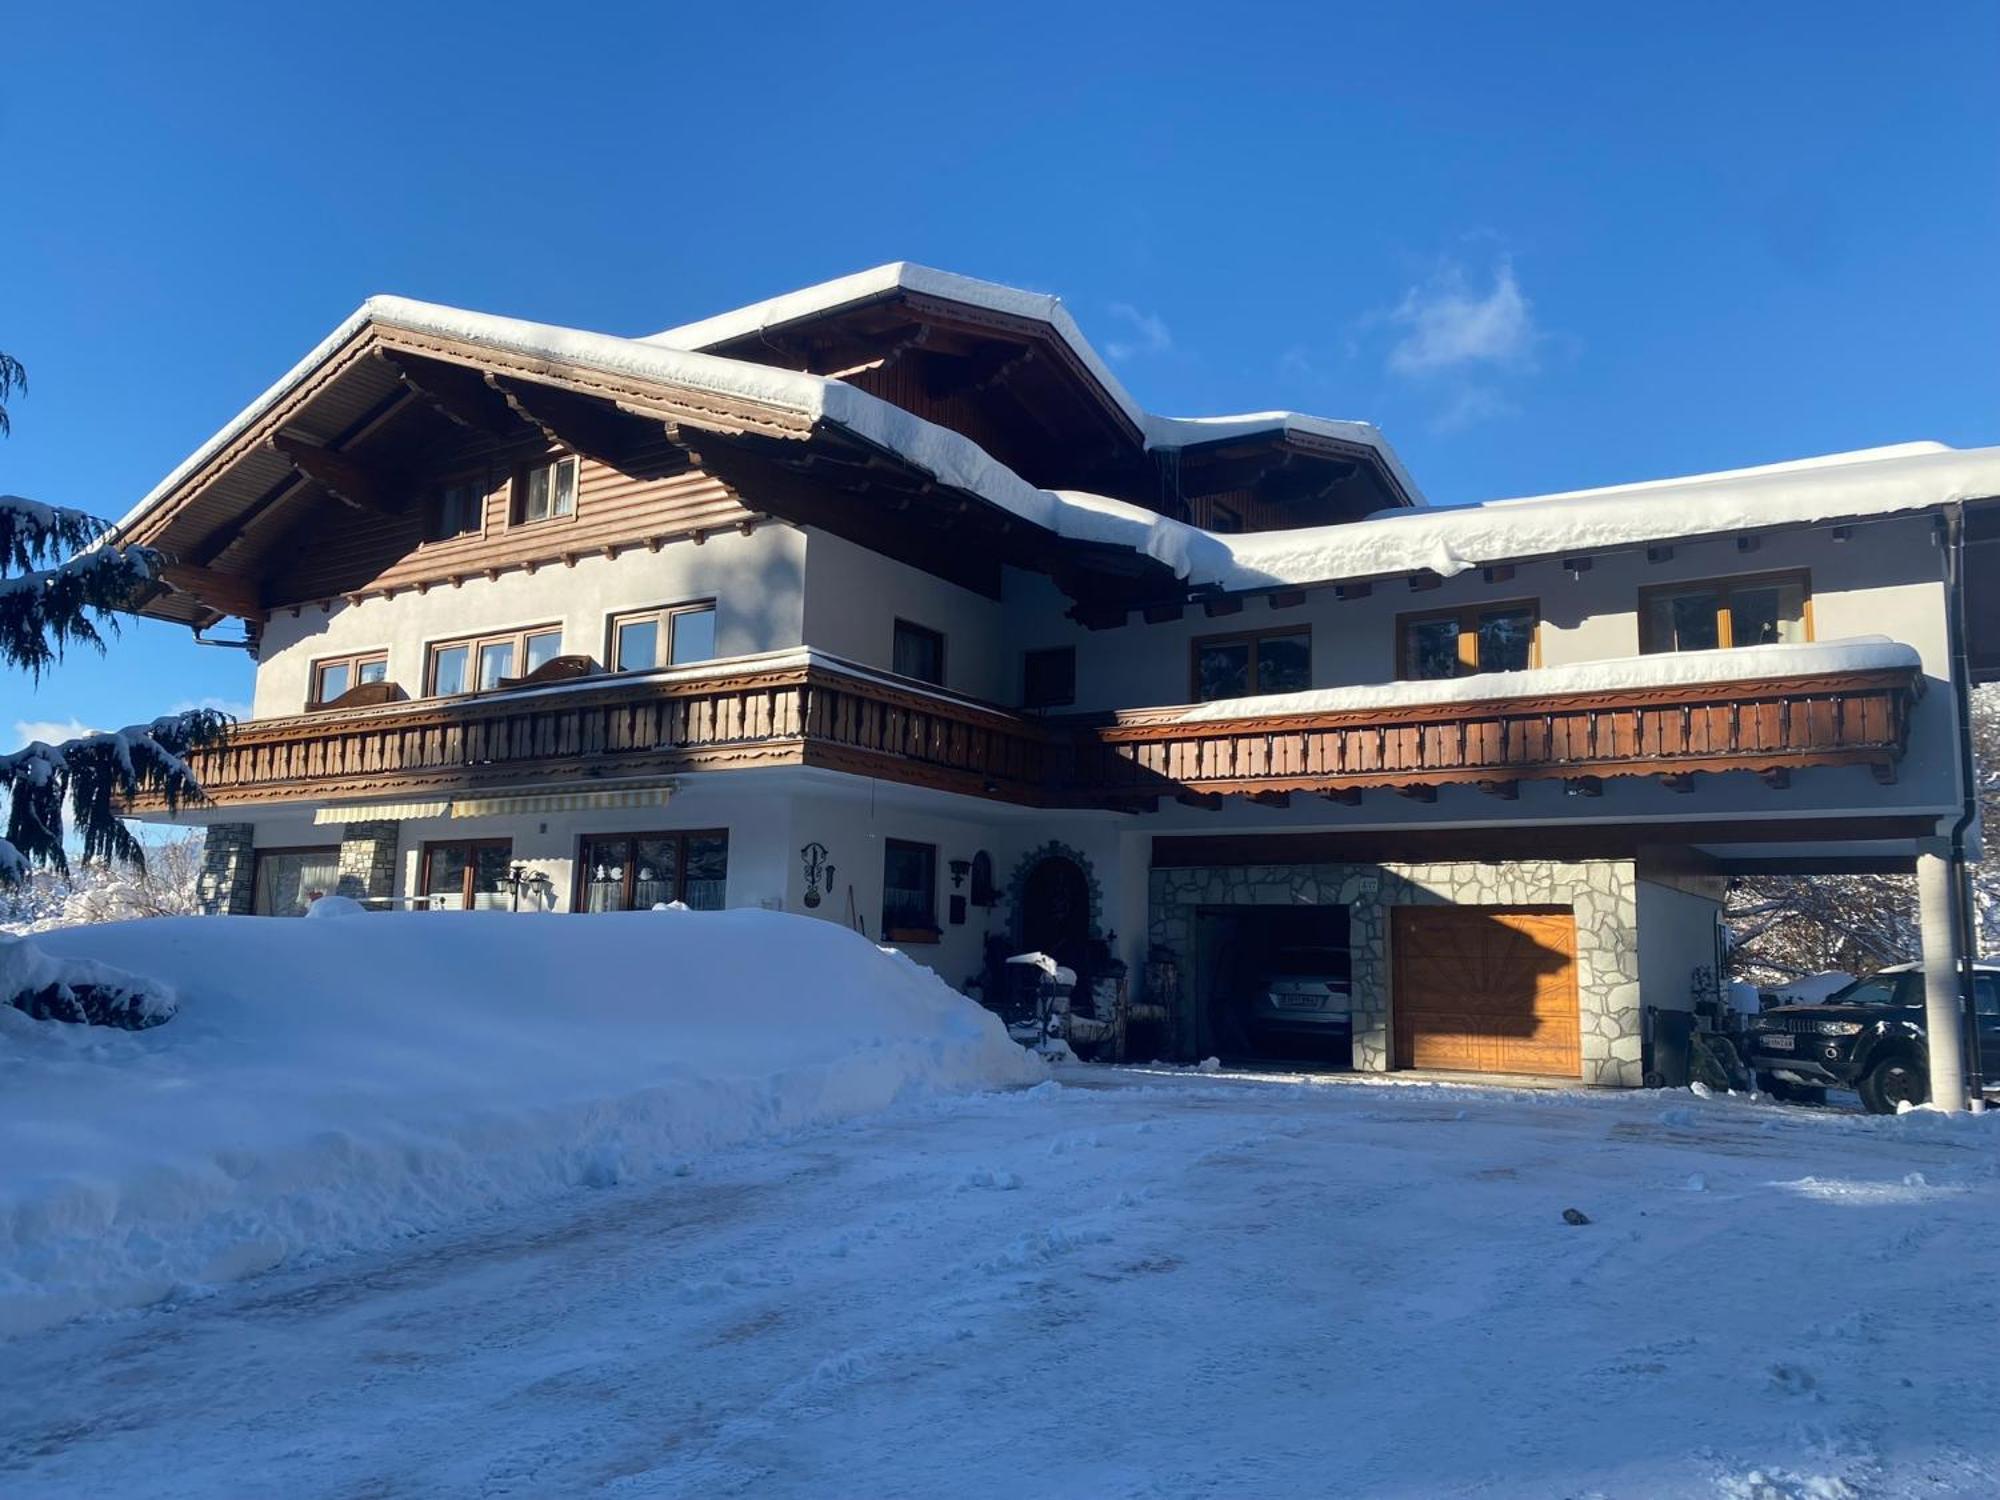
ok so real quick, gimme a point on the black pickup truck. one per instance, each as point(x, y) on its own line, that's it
point(1868, 1037)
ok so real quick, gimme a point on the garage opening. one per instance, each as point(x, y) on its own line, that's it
point(1274, 984)
point(1486, 989)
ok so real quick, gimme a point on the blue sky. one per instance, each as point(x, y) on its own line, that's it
point(1542, 246)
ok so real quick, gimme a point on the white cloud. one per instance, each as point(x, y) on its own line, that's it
point(1149, 335)
point(49, 731)
point(1447, 326)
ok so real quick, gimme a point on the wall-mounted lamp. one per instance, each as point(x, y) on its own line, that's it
point(960, 868)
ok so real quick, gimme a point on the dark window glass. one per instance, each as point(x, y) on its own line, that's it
point(1284, 664)
point(656, 872)
point(919, 653)
point(1221, 670)
point(1986, 996)
point(459, 510)
point(1430, 649)
point(705, 870)
point(1049, 677)
point(909, 887)
point(1506, 640)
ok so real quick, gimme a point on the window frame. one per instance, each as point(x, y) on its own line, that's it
point(517, 638)
point(517, 500)
point(1725, 587)
point(1251, 690)
point(943, 650)
point(580, 882)
point(662, 615)
point(257, 866)
point(933, 932)
point(481, 483)
point(430, 848)
point(1028, 677)
point(353, 661)
point(1468, 617)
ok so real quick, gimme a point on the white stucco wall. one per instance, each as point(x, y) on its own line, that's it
point(756, 581)
point(1676, 937)
point(853, 598)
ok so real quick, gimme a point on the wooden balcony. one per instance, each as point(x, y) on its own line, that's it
point(801, 710)
point(790, 710)
point(1773, 727)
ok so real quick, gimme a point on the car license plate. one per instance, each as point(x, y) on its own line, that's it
point(1297, 1002)
point(1777, 1041)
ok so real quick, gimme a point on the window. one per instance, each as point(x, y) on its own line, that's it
point(919, 653)
point(669, 637)
point(1048, 678)
point(469, 875)
point(478, 665)
point(287, 881)
point(1460, 642)
point(909, 892)
point(545, 491)
point(336, 675)
point(1251, 664)
point(1761, 610)
point(639, 871)
point(457, 509)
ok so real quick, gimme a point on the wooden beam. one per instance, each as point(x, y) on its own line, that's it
point(1681, 781)
point(1207, 801)
point(228, 592)
point(1215, 609)
point(1584, 786)
point(1418, 793)
point(455, 392)
point(338, 474)
point(1161, 614)
point(577, 423)
point(1272, 799)
point(1506, 791)
point(1346, 796)
point(1777, 778)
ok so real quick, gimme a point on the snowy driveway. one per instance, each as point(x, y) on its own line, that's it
point(1127, 1285)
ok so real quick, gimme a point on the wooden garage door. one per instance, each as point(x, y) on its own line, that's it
point(1486, 989)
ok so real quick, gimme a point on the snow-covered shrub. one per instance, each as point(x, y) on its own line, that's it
point(78, 990)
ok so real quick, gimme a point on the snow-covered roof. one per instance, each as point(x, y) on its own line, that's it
point(1837, 487)
point(1872, 653)
point(1043, 307)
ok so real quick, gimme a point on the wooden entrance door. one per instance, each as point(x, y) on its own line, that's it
point(1486, 989)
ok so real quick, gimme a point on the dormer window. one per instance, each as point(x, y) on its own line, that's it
point(545, 492)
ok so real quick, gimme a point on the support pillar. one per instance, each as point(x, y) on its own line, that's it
point(1944, 1021)
point(227, 884)
point(368, 861)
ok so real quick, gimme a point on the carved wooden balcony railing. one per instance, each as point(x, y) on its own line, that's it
point(802, 710)
point(1774, 727)
point(791, 710)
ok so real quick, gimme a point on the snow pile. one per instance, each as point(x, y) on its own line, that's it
point(333, 1085)
point(78, 990)
point(1870, 653)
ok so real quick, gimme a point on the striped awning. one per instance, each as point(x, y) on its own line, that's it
point(575, 799)
point(370, 812)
